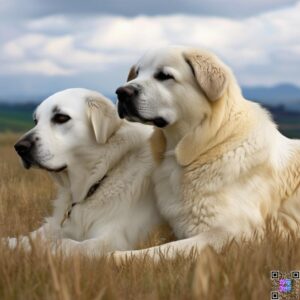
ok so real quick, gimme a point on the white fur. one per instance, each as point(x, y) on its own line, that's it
point(225, 167)
point(122, 211)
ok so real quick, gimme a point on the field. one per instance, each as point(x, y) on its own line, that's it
point(239, 272)
point(16, 119)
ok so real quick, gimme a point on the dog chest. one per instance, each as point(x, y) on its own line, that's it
point(167, 180)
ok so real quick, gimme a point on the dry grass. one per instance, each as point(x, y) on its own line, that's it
point(237, 273)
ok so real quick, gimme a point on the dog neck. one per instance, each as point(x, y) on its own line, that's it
point(91, 163)
point(174, 134)
point(92, 190)
point(225, 124)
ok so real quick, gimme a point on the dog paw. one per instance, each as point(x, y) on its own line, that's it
point(13, 243)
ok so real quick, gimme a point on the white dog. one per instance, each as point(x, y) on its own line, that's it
point(223, 167)
point(102, 166)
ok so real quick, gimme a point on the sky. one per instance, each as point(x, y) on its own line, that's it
point(47, 46)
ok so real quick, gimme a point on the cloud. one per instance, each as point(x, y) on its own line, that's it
point(262, 50)
point(42, 67)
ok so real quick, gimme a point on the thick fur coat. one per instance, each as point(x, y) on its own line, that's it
point(102, 166)
point(223, 168)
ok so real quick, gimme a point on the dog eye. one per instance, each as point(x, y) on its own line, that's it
point(35, 121)
point(161, 76)
point(60, 118)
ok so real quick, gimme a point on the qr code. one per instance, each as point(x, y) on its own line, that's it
point(285, 285)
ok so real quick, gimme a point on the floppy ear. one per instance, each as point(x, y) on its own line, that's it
point(209, 72)
point(132, 73)
point(103, 117)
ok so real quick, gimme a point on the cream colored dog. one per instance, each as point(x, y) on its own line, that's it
point(102, 166)
point(223, 167)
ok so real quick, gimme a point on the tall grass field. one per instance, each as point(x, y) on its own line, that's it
point(239, 272)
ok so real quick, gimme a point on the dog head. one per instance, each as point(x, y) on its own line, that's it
point(171, 84)
point(65, 122)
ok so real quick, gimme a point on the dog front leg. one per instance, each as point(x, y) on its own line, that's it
point(25, 242)
point(215, 238)
point(91, 248)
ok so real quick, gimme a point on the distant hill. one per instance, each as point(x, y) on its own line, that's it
point(18, 118)
point(286, 94)
point(26, 107)
point(283, 101)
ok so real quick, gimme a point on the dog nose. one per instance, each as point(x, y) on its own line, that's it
point(126, 93)
point(23, 147)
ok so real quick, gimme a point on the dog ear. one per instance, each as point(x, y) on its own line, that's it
point(210, 73)
point(132, 74)
point(103, 117)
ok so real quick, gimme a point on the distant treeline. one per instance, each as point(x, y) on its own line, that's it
point(18, 117)
point(30, 107)
point(282, 110)
point(26, 107)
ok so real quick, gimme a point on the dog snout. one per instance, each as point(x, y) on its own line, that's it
point(24, 147)
point(127, 93)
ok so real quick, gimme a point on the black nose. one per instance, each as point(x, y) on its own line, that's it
point(126, 93)
point(23, 147)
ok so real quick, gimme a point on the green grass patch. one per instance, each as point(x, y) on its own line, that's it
point(15, 120)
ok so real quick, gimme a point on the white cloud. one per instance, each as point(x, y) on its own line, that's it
point(42, 67)
point(56, 22)
point(129, 35)
point(261, 50)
